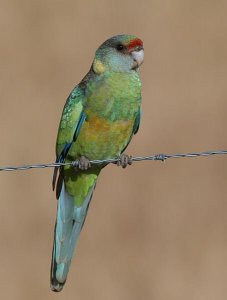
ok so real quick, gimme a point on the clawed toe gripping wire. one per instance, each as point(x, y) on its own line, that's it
point(157, 157)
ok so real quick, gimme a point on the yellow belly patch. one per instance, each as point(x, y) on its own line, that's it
point(100, 139)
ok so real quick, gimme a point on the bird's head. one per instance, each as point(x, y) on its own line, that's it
point(121, 53)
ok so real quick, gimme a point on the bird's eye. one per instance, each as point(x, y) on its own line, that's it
point(120, 47)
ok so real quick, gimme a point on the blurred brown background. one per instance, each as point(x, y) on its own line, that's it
point(155, 230)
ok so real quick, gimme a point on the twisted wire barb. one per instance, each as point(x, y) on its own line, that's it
point(160, 157)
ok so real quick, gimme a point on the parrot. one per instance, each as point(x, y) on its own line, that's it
point(99, 119)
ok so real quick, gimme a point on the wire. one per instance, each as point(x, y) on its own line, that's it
point(159, 157)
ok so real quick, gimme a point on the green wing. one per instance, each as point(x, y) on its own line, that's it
point(135, 128)
point(71, 120)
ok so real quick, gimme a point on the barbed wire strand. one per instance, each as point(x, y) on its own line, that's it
point(156, 157)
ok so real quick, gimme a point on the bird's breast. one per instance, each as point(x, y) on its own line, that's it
point(114, 96)
point(112, 103)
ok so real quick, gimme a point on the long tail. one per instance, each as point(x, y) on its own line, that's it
point(69, 222)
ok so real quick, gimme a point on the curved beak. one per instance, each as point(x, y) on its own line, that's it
point(138, 56)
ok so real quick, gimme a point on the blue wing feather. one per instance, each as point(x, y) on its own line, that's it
point(137, 122)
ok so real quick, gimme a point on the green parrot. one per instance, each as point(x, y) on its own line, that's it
point(100, 116)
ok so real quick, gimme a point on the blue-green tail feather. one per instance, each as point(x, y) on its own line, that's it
point(69, 222)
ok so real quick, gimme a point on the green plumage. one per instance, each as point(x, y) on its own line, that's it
point(98, 121)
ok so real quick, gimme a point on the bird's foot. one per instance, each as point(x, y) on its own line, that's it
point(124, 160)
point(83, 163)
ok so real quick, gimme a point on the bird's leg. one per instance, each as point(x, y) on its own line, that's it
point(84, 163)
point(124, 160)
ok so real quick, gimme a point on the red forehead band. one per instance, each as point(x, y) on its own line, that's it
point(134, 43)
